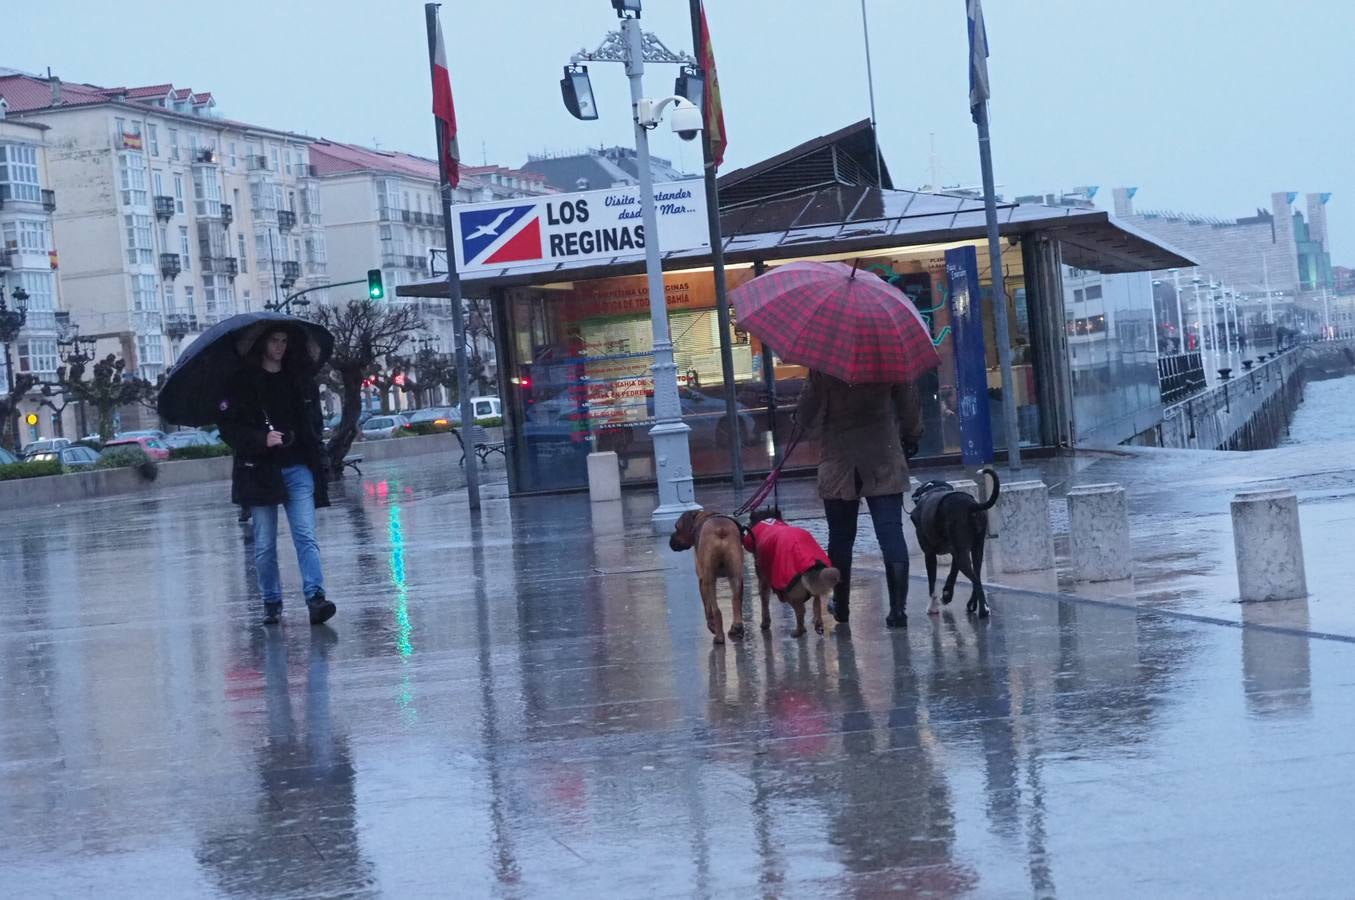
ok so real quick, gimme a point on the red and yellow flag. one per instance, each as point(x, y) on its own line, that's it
point(712, 113)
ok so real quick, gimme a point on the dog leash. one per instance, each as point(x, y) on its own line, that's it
point(769, 484)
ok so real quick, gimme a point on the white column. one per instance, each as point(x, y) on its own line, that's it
point(1268, 546)
point(1098, 524)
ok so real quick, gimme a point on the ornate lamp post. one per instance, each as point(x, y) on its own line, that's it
point(11, 323)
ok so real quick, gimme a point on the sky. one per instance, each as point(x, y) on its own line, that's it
point(1206, 106)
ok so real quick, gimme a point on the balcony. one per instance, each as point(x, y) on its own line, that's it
point(228, 266)
point(164, 207)
point(227, 214)
point(169, 265)
point(179, 324)
point(417, 263)
point(146, 322)
point(256, 163)
point(407, 216)
point(286, 220)
point(7, 260)
point(392, 259)
point(49, 200)
point(387, 214)
point(291, 271)
point(205, 155)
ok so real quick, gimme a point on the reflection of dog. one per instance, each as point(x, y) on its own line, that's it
point(719, 554)
point(790, 562)
point(949, 521)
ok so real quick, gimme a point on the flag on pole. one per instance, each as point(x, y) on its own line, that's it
point(712, 112)
point(449, 156)
point(978, 58)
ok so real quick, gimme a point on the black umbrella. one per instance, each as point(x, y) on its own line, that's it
point(195, 387)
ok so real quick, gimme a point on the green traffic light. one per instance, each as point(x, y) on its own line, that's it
point(375, 289)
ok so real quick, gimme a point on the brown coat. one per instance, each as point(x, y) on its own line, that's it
point(861, 431)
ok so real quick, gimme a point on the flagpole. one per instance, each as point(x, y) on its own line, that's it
point(979, 91)
point(870, 87)
point(454, 281)
point(717, 262)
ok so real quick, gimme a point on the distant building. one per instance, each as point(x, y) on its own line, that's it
point(171, 217)
point(383, 210)
point(29, 265)
point(593, 170)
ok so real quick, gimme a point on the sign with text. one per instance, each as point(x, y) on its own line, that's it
point(571, 228)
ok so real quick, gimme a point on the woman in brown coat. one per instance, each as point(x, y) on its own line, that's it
point(866, 434)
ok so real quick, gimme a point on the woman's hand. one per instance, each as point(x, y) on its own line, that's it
point(274, 439)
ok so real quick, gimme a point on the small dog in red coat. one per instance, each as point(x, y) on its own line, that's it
point(790, 562)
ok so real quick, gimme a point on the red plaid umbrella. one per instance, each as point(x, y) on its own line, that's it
point(837, 319)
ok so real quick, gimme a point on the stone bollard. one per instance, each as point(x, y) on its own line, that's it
point(1268, 546)
point(1025, 539)
point(1098, 526)
point(604, 477)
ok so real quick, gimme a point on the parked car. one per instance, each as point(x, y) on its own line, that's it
point(155, 448)
point(190, 438)
point(145, 432)
point(72, 457)
point(437, 416)
point(45, 446)
point(486, 407)
point(378, 427)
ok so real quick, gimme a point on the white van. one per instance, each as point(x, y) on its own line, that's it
point(486, 407)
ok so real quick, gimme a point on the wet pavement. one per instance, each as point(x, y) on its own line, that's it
point(530, 705)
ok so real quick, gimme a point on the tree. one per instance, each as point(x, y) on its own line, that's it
point(478, 331)
point(364, 332)
point(9, 405)
point(108, 389)
point(433, 369)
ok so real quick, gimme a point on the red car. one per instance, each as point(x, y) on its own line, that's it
point(154, 447)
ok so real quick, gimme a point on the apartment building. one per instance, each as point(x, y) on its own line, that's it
point(29, 268)
point(172, 216)
point(383, 210)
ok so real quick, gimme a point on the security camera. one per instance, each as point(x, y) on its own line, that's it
point(686, 119)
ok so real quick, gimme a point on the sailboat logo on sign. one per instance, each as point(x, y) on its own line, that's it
point(501, 234)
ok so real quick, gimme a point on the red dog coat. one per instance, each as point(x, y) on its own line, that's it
point(783, 552)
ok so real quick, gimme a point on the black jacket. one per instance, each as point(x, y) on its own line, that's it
point(256, 479)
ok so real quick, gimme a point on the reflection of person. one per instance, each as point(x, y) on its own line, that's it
point(271, 419)
point(866, 433)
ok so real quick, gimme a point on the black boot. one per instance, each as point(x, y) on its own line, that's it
point(840, 606)
point(321, 609)
point(896, 580)
point(272, 612)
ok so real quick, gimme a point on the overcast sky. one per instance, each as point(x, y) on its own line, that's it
point(1206, 106)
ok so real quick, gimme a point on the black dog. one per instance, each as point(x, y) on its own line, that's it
point(948, 521)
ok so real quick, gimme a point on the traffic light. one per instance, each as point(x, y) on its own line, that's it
point(375, 289)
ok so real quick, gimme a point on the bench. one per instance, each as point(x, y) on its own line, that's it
point(351, 461)
point(481, 443)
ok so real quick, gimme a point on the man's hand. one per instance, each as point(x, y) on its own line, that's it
point(274, 439)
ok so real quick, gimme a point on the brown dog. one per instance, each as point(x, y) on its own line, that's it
point(790, 562)
point(719, 554)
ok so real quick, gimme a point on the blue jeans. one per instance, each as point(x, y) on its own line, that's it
point(301, 519)
point(886, 512)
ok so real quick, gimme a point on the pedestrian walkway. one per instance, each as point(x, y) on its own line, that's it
point(529, 705)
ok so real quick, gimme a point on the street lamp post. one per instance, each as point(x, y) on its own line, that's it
point(672, 452)
point(1176, 298)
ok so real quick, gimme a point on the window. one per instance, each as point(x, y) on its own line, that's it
point(296, 250)
point(275, 159)
point(240, 257)
point(209, 294)
point(207, 191)
point(188, 298)
point(132, 178)
point(310, 204)
point(1094, 292)
point(178, 193)
point(262, 253)
point(153, 133)
point(225, 298)
point(233, 158)
point(19, 173)
point(385, 232)
point(28, 236)
point(186, 258)
point(41, 302)
point(120, 128)
point(170, 304)
point(150, 351)
point(144, 294)
point(174, 145)
point(247, 300)
point(139, 248)
point(164, 239)
point(38, 356)
point(158, 182)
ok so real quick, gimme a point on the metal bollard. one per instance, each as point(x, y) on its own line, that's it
point(1025, 538)
point(1268, 546)
point(1098, 524)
